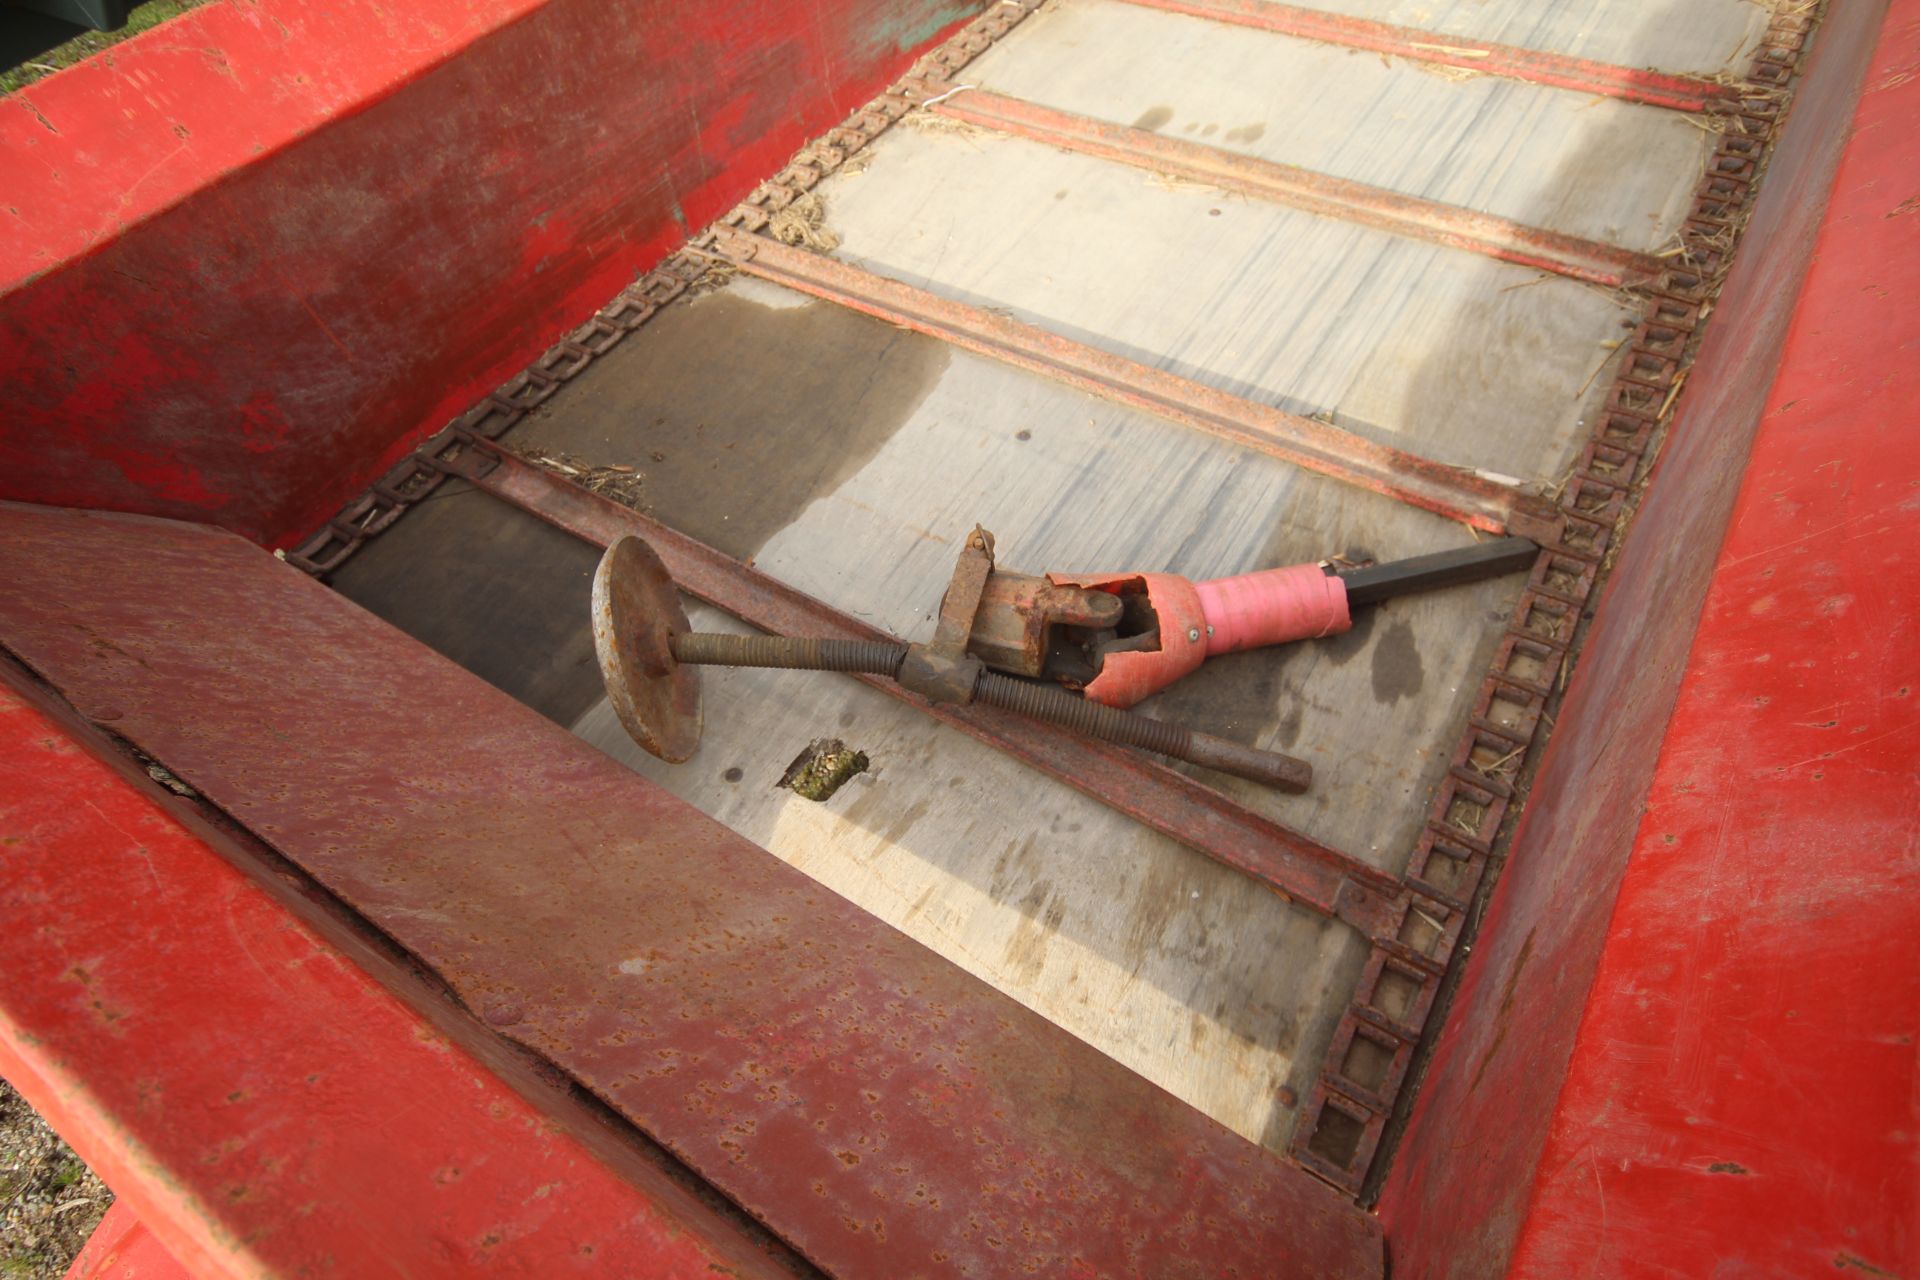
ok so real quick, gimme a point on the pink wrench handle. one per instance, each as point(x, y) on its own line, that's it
point(1273, 606)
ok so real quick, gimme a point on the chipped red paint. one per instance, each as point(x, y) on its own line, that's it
point(262, 1103)
point(882, 1111)
point(123, 1248)
point(1685, 1043)
point(267, 205)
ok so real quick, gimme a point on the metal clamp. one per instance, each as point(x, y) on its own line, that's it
point(942, 670)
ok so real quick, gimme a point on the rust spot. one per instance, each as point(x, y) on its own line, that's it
point(1728, 1166)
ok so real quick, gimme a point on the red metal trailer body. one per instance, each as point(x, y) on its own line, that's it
point(343, 932)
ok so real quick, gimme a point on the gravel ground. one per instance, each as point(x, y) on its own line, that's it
point(49, 1201)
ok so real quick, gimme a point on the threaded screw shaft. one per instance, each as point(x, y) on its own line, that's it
point(1036, 701)
point(1057, 706)
point(798, 653)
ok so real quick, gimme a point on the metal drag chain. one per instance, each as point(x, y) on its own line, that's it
point(1373, 1047)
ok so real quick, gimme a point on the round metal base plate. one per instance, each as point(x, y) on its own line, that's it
point(636, 612)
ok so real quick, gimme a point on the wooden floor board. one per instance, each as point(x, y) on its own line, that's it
point(1074, 910)
point(1700, 37)
point(1204, 982)
point(1611, 171)
point(1067, 483)
point(1444, 353)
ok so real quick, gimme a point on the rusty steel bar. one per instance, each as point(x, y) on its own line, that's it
point(1630, 84)
point(1318, 193)
point(1036, 700)
point(1300, 869)
point(1482, 501)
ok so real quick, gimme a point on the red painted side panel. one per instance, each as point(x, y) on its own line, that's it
point(1744, 1098)
point(1458, 1194)
point(122, 1248)
point(247, 259)
point(259, 1100)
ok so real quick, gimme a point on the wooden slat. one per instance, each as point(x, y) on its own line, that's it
point(1653, 88)
point(1319, 193)
point(1472, 498)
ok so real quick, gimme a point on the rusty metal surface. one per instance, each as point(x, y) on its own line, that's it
point(1013, 630)
point(1654, 88)
point(1317, 877)
point(1318, 193)
point(247, 1070)
point(1038, 700)
point(881, 1110)
point(1454, 492)
point(1127, 673)
point(791, 653)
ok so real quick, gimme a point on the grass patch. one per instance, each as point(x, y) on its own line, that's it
point(87, 43)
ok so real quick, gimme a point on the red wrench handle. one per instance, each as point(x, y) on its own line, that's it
point(1273, 606)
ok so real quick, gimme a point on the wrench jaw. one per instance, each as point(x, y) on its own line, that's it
point(1162, 635)
point(1029, 626)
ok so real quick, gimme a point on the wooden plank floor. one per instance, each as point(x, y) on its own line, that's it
point(1456, 357)
point(1607, 170)
point(849, 458)
point(1700, 37)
